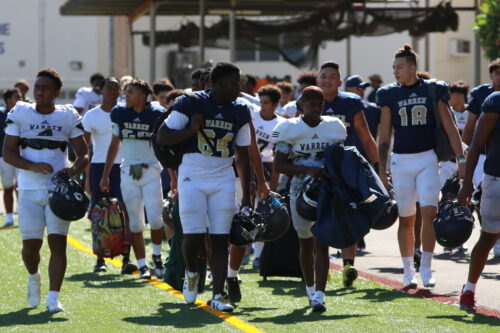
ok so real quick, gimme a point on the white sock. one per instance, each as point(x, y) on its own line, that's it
point(53, 296)
point(408, 265)
point(9, 217)
point(310, 290)
point(470, 286)
point(417, 249)
point(156, 249)
point(142, 262)
point(319, 295)
point(190, 274)
point(426, 260)
point(257, 247)
point(231, 273)
point(35, 276)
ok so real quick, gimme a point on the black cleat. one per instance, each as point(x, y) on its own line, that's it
point(128, 267)
point(100, 267)
point(233, 289)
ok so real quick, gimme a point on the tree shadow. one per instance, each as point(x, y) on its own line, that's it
point(304, 315)
point(490, 276)
point(93, 280)
point(23, 317)
point(470, 318)
point(376, 295)
point(283, 287)
point(392, 270)
point(178, 315)
point(458, 257)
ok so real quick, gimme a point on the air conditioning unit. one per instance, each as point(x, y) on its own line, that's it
point(460, 47)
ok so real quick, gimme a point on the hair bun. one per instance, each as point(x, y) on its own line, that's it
point(408, 47)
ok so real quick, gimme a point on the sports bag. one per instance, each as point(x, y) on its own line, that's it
point(109, 231)
point(443, 148)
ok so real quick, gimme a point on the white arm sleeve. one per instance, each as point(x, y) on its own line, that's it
point(176, 120)
point(243, 137)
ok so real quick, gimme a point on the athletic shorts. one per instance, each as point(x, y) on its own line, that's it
point(95, 175)
point(8, 173)
point(35, 214)
point(415, 177)
point(479, 171)
point(490, 204)
point(201, 197)
point(143, 193)
point(301, 225)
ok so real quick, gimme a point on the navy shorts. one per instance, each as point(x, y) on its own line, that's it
point(96, 170)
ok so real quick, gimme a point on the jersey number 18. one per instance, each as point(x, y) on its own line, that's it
point(418, 115)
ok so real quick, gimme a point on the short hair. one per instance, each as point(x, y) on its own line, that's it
point(109, 79)
point(205, 76)
point(329, 64)
point(162, 85)
point(251, 79)
point(22, 83)
point(8, 93)
point(285, 87)
point(312, 92)
point(307, 77)
point(494, 65)
point(173, 94)
point(223, 69)
point(272, 92)
point(96, 77)
point(51, 74)
point(459, 87)
point(408, 53)
point(197, 73)
point(142, 85)
point(424, 75)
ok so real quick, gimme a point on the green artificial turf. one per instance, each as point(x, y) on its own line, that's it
point(111, 302)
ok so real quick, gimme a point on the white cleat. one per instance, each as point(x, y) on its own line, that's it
point(190, 287)
point(410, 281)
point(221, 303)
point(34, 283)
point(54, 306)
point(427, 279)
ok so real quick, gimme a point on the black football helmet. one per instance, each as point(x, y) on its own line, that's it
point(166, 213)
point(450, 188)
point(307, 200)
point(389, 216)
point(274, 216)
point(246, 227)
point(68, 200)
point(453, 225)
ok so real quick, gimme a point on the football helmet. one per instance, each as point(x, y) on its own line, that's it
point(246, 227)
point(453, 225)
point(389, 216)
point(167, 211)
point(275, 217)
point(68, 200)
point(307, 200)
point(450, 188)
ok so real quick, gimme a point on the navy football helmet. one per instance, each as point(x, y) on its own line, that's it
point(389, 216)
point(246, 227)
point(274, 216)
point(453, 225)
point(307, 200)
point(68, 200)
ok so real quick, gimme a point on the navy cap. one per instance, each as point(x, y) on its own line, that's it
point(356, 81)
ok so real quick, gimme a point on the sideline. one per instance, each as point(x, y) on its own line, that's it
point(228, 318)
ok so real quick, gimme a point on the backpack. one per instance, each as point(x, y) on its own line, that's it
point(171, 156)
point(444, 150)
point(109, 230)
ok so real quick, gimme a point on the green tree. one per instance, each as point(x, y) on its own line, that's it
point(487, 27)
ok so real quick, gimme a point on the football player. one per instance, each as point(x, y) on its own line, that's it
point(206, 178)
point(89, 97)
point(36, 139)
point(476, 99)
point(348, 108)
point(97, 125)
point(487, 134)
point(408, 109)
point(132, 125)
point(300, 143)
point(7, 171)
point(23, 87)
point(286, 89)
point(160, 90)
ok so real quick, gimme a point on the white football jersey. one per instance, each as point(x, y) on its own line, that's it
point(25, 121)
point(87, 98)
point(263, 135)
point(460, 118)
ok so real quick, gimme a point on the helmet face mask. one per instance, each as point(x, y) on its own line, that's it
point(246, 228)
point(275, 217)
point(453, 225)
point(307, 204)
point(67, 201)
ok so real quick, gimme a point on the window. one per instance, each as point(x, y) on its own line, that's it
point(291, 44)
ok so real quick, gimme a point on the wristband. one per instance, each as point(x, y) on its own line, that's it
point(461, 159)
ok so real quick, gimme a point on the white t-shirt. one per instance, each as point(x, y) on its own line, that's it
point(263, 135)
point(98, 123)
point(288, 110)
point(461, 118)
point(202, 164)
point(305, 145)
point(252, 99)
point(63, 124)
point(86, 98)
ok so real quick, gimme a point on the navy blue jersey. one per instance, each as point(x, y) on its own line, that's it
point(492, 163)
point(133, 125)
point(477, 97)
point(344, 107)
point(3, 117)
point(412, 113)
point(222, 123)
